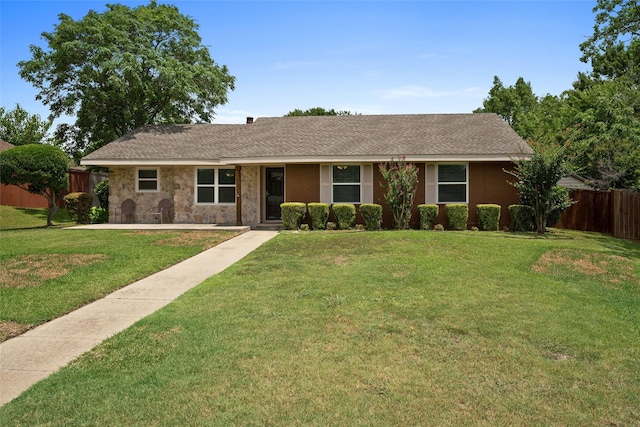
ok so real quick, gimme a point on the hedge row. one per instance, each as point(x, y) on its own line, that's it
point(293, 214)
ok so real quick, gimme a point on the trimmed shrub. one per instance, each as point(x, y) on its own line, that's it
point(438, 227)
point(488, 217)
point(372, 215)
point(79, 206)
point(292, 214)
point(428, 214)
point(345, 214)
point(102, 191)
point(319, 213)
point(521, 217)
point(458, 214)
point(98, 215)
point(331, 225)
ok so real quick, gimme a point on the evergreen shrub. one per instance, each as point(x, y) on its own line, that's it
point(488, 217)
point(319, 213)
point(458, 214)
point(292, 214)
point(428, 214)
point(521, 217)
point(345, 214)
point(372, 215)
point(79, 207)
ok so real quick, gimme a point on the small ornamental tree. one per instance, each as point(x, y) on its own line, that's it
point(37, 168)
point(537, 183)
point(401, 183)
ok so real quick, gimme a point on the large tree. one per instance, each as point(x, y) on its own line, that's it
point(39, 169)
point(513, 103)
point(19, 127)
point(614, 47)
point(318, 111)
point(125, 68)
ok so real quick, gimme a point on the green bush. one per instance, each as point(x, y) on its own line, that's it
point(488, 217)
point(428, 214)
point(345, 214)
point(521, 217)
point(372, 215)
point(458, 214)
point(98, 215)
point(319, 213)
point(102, 191)
point(79, 206)
point(292, 214)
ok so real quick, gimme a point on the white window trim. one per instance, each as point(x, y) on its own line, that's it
point(216, 186)
point(157, 180)
point(346, 183)
point(466, 182)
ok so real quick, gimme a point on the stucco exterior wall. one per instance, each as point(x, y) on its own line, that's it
point(178, 184)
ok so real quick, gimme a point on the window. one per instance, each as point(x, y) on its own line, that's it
point(147, 180)
point(452, 183)
point(215, 186)
point(346, 184)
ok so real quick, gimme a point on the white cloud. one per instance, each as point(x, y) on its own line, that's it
point(414, 91)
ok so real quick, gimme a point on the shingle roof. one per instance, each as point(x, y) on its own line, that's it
point(419, 137)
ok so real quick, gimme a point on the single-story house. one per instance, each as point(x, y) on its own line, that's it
point(241, 173)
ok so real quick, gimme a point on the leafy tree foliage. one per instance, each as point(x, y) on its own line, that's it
point(513, 104)
point(125, 68)
point(39, 169)
point(401, 180)
point(614, 47)
point(19, 127)
point(319, 111)
point(598, 119)
point(537, 183)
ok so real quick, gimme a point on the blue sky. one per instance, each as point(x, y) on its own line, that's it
point(370, 57)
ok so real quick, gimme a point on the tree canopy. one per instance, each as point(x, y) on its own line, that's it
point(38, 168)
point(125, 68)
point(597, 121)
point(319, 111)
point(19, 127)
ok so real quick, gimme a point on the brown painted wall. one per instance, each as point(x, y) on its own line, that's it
point(302, 183)
point(488, 183)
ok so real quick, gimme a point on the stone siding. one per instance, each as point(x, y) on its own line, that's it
point(177, 183)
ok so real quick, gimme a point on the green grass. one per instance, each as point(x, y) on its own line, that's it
point(45, 273)
point(12, 218)
point(376, 329)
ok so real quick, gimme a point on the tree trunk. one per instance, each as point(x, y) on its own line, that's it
point(53, 207)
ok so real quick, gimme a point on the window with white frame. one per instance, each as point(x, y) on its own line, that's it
point(215, 186)
point(147, 180)
point(452, 183)
point(346, 184)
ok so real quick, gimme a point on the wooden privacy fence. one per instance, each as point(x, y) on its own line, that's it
point(616, 212)
point(79, 181)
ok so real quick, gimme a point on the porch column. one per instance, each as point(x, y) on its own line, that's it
point(238, 195)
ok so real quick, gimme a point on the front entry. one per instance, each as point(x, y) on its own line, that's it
point(274, 192)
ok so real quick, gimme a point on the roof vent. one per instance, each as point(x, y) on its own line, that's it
point(249, 120)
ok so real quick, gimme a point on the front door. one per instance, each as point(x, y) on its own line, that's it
point(274, 192)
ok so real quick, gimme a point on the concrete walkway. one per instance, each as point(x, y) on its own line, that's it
point(34, 355)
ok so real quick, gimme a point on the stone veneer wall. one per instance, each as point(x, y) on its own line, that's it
point(178, 184)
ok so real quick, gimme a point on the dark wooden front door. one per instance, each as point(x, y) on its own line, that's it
point(274, 192)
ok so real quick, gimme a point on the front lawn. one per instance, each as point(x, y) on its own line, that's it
point(47, 272)
point(376, 329)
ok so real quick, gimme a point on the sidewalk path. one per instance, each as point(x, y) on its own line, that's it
point(34, 355)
